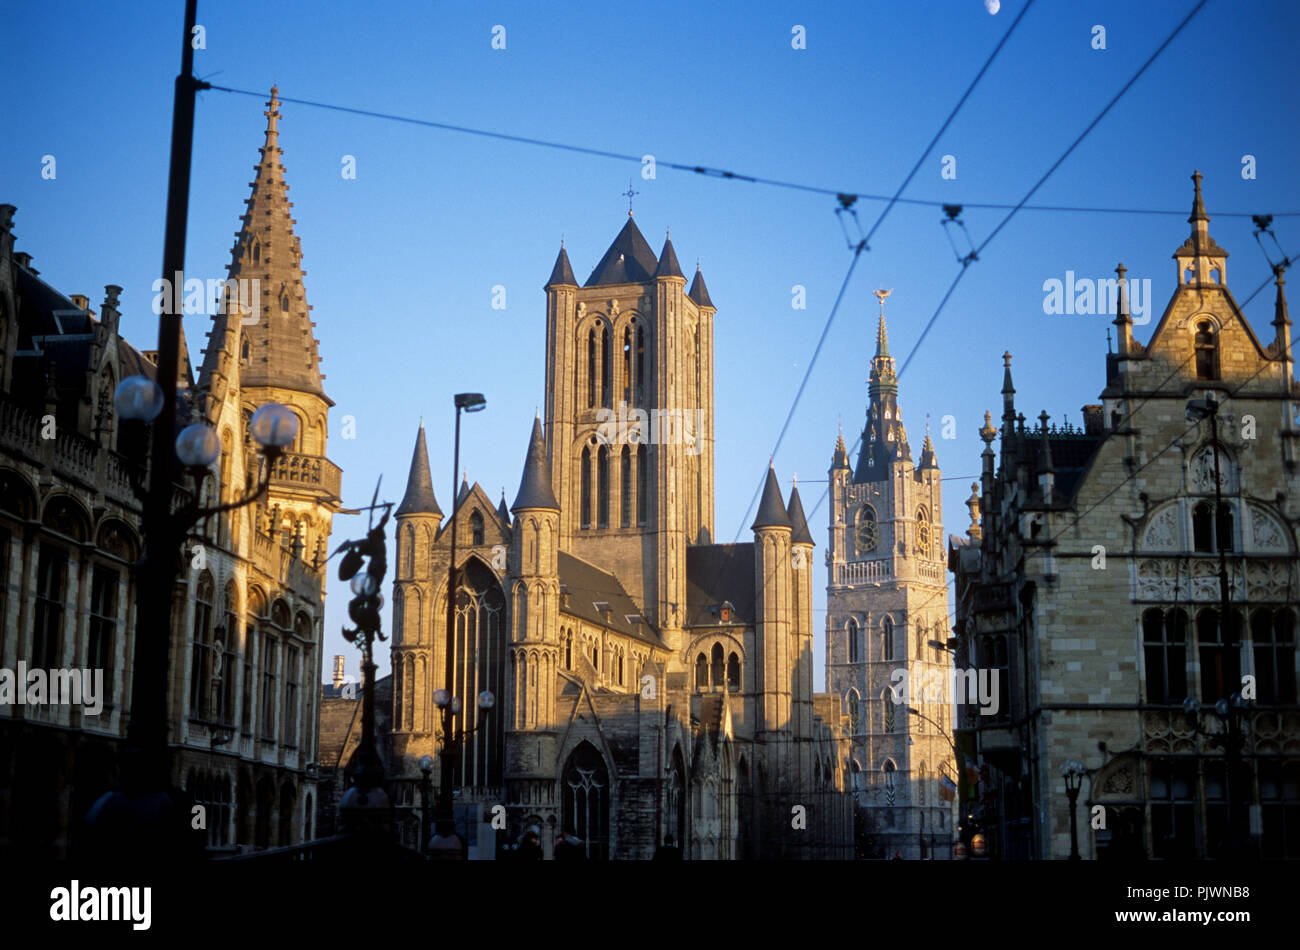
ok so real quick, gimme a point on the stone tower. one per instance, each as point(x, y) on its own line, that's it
point(629, 418)
point(887, 599)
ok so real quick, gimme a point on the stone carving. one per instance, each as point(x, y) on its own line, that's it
point(1267, 533)
point(1200, 472)
point(1160, 579)
point(1162, 531)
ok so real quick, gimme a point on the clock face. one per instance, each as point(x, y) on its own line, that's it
point(866, 533)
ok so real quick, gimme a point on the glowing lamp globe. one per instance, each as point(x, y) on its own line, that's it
point(364, 585)
point(138, 398)
point(486, 700)
point(441, 698)
point(198, 446)
point(273, 426)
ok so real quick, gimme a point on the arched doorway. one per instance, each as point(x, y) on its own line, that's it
point(585, 784)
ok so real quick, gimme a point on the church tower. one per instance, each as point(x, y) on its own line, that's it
point(887, 599)
point(629, 418)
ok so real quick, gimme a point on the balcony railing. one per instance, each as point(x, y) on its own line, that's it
point(307, 471)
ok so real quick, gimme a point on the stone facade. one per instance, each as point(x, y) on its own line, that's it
point(887, 600)
point(1093, 583)
point(249, 598)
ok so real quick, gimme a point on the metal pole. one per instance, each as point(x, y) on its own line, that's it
point(446, 818)
point(1225, 625)
point(1072, 791)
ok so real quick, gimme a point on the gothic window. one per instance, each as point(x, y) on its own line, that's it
point(284, 304)
point(606, 367)
point(103, 624)
point(479, 664)
point(891, 774)
point(592, 369)
point(887, 704)
point(1165, 645)
point(602, 487)
point(1220, 654)
point(257, 252)
point(1279, 794)
point(701, 672)
point(246, 697)
point(568, 650)
point(476, 527)
point(201, 659)
point(1273, 633)
point(865, 535)
point(733, 672)
point(1207, 536)
point(855, 713)
point(887, 638)
point(922, 533)
point(1207, 351)
point(854, 655)
point(625, 484)
point(585, 478)
point(627, 365)
point(51, 579)
point(270, 651)
point(715, 665)
point(638, 391)
point(641, 477)
point(1173, 808)
point(291, 696)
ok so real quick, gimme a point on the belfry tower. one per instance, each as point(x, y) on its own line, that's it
point(887, 599)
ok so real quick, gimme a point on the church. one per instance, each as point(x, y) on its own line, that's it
point(652, 684)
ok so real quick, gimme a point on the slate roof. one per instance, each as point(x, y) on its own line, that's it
point(535, 485)
point(717, 573)
point(699, 292)
point(668, 266)
point(562, 272)
point(419, 498)
point(799, 533)
point(629, 260)
point(1071, 456)
point(587, 585)
point(771, 510)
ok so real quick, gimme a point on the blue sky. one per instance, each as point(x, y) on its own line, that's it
point(401, 261)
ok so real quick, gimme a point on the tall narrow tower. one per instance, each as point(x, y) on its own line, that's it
point(887, 599)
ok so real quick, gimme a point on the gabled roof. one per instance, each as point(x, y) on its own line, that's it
point(587, 586)
point(699, 292)
point(771, 509)
point(419, 498)
point(535, 485)
point(629, 260)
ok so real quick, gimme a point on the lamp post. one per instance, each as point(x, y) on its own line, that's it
point(1232, 739)
point(1208, 408)
point(1073, 772)
point(445, 698)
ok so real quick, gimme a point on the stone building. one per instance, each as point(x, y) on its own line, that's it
point(886, 604)
point(1092, 584)
point(651, 682)
point(245, 650)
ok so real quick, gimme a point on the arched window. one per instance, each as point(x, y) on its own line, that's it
point(476, 527)
point(584, 477)
point(625, 487)
point(733, 672)
point(585, 811)
point(1220, 654)
point(716, 665)
point(864, 536)
point(701, 671)
point(201, 658)
point(887, 703)
point(1164, 635)
point(284, 304)
point(854, 655)
point(606, 367)
point(855, 713)
point(627, 365)
point(887, 638)
point(642, 475)
point(922, 532)
point(602, 487)
point(638, 391)
point(568, 650)
point(1208, 536)
point(257, 252)
point(890, 770)
point(1207, 351)
point(592, 368)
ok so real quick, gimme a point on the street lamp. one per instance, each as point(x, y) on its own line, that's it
point(1232, 739)
point(1073, 772)
point(426, 797)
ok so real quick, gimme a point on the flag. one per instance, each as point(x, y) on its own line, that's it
point(947, 790)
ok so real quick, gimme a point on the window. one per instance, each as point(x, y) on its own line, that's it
point(602, 487)
point(701, 672)
point(1165, 645)
point(1206, 534)
point(476, 527)
point(855, 713)
point(887, 639)
point(1273, 633)
point(270, 649)
point(201, 649)
point(641, 476)
point(568, 650)
point(887, 704)
point(246, 700)
point(890, 771)
point(733, 672)
point(51, 579)
point(291, 696)
point(638, 391)
point(865, 533)
point(103, 625)
point(922, 546)
point(606, 367)
point(1279, 794)
point(716, 665)
point(625, 485)
point(1173, 807)
point(585, 479)
point(1207, 351)
point(627, 365)
point(1220, 654)
point(592, 369)
point(854, 655)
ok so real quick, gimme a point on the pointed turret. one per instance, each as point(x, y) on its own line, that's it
point(562, 272)
point(277, 328)
point(668, 266)
point(771, 509)
point(928, 460)
point(502, 511)
point(1123, 318)
point(884, 440)
point(1008, 390)
point(840, 459)
point(535, 486)
point(464, 489)
point(1199, 252)
point(799, 533)
point(699, 292)
point(419, 498)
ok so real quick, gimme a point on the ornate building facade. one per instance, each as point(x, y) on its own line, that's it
point(886, 605)
point(249, 597)
point(1093, 584)
point(651, 683)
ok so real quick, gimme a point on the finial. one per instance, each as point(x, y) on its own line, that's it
point(630, 194)
point(561, 241)
point(1121, 270)
point(881, 295)
point(668, 234)
point(1006, 359)
point(1198, 205)
point(770, 460)
point(796, 479)
point(1108, 349)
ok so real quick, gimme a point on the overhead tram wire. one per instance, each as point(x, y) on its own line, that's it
point(695, 168)
point(1019, 206)
point(864, 244)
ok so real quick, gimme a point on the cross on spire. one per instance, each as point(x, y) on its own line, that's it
point(629, 195)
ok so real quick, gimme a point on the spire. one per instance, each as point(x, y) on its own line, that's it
point(884, 440)
point(771, 509)
point(1282, 326)
point(698, 292)
point(629, 260)
point(799, 533)
point(882, 338)
point(502, 511)
point(535, 486)
point(1198, 205)
point(1045, 462)
point(419, 499)
point(1281, 318)
point(974, 532)
point(562, 272)
point(1008, 389)
point(464, 489)
point(277, 326)
point(928, 460)
point(1123, 318)
point(841, 457)
point(668, 266)
point(1200, 252)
